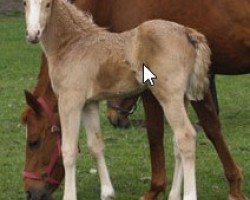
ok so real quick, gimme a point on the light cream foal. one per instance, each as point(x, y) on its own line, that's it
point(87, 64)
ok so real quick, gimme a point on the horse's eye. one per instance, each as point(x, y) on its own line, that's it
point(24, 3)
point(47, 5)
point(34, 144)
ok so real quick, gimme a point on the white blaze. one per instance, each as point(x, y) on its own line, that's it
point(33, 18)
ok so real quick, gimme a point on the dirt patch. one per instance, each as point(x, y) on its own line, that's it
point(10, 6)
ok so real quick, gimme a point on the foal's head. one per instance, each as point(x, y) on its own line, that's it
point(37, 13)
point(43, 169)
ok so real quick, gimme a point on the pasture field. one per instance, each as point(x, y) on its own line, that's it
point(127, 151)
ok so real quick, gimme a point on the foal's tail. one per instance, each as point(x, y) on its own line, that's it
point(198, 81)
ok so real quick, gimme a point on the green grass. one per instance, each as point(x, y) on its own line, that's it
point(127, 153)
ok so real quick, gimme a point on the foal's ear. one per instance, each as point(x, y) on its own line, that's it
point(32, 102)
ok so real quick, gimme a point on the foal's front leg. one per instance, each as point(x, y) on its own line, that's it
point(96, 146)
point(70, 113)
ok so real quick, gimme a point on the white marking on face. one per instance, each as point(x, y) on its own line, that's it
point(33, 17)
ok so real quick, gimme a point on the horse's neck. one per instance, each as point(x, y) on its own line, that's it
point(43, 79)
point(43, 87)
point(50, 97)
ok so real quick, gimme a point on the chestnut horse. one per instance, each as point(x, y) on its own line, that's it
point(115, 15)
point(226, 24)
point(227, 18)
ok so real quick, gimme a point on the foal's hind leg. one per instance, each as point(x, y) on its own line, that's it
point(95, 143)
point(184, 136)
point(175, 193)
point(155, 131)
point(209, 120)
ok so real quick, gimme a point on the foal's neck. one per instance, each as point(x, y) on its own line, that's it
point(66, 25)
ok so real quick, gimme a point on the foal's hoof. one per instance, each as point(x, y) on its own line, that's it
point(238, 197)
point(107, 193)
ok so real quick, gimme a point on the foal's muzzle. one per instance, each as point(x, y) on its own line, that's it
point(33, 36)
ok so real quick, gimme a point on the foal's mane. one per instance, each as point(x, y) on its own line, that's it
point(74, 18)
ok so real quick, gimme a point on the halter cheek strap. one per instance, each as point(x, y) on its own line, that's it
point(55, 129)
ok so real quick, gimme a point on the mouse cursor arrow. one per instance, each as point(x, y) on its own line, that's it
point(148, 75)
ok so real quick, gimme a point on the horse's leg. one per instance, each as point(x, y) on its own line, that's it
point(96, 146)
point(184, 137)
point(213, 90)
point(70, 116)
point(209, 120)
point(155, 131)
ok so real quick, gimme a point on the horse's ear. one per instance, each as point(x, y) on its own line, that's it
point(33, 103)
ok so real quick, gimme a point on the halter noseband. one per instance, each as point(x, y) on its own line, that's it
point(46, 175)
point(122, 110)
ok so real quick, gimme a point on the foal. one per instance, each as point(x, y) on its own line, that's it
point(82, 60)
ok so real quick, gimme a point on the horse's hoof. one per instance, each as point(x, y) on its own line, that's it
point(240, 197)
point(108, 193)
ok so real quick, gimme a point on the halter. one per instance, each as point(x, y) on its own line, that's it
point(122, 110)
point(55, 129)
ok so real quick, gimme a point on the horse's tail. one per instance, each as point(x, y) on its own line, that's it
point(198, 81)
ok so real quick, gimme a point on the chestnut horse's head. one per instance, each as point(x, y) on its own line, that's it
point(37, 13)
point(119, 110)
point(43, 169)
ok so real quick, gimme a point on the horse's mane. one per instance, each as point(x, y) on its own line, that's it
point(41, 86)
point(43, 78)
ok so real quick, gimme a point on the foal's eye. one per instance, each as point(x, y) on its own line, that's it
point(34, 144)
point(47, 5)
point(24, 3)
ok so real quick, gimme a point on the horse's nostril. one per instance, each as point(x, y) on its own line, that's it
point(38, 32)
point(28, 195)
